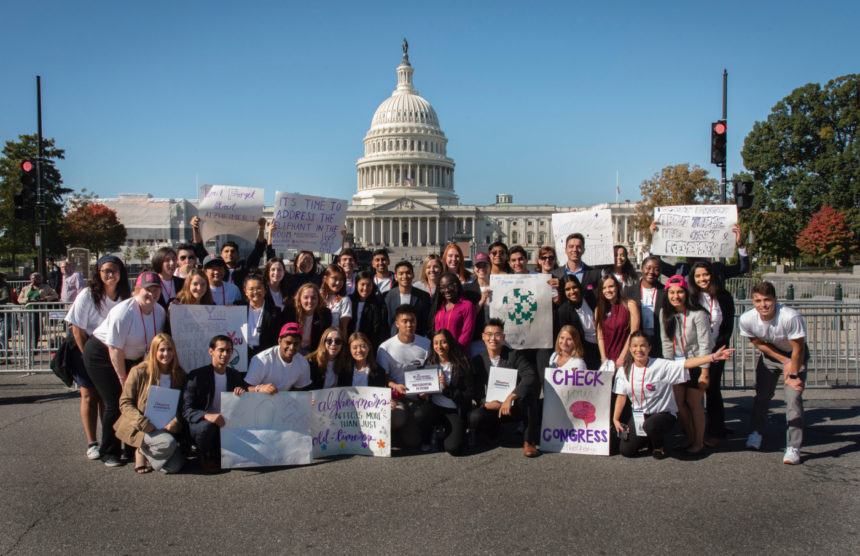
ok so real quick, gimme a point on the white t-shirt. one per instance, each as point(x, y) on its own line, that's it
point(85, 315)
point(128, 329)
point(572, 364)
point(164, 380)
point(395, 357)
point(330, 380)
point(360, 377)
point(255, 323)
point(586, 317)
point(649, 300)
point(383, 284)
point(650, 388)
point(267, 367)
point(225, 294)
point(440, 399)
point(220, 386)
point(277, 298)
point(715, 312)
point(786, 325)
point(342, 308)
point(405, 298)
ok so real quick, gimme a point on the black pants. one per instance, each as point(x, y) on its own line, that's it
point(207, 437)
point(526, 409)
point(591, 356)
point(428, 415)
point(714, 402)
point(103, 376)
point(657, 426)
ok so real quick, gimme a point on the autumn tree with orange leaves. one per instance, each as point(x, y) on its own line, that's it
point(94, 226)
point(827, 236)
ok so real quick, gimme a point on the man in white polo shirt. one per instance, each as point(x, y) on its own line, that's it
point(779, 333)
point(280, 368)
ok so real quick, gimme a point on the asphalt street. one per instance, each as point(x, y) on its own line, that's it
point(53, 500)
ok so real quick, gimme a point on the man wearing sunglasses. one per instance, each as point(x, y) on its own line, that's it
point(186, 258)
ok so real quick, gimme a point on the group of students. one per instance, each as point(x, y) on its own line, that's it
point(345, 327)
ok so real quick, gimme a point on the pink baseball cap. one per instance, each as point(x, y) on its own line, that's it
point(290, 329)
point(677, 280)
point(482, 258)
point(148, 279)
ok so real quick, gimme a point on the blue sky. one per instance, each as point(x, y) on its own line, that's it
point(544, 100)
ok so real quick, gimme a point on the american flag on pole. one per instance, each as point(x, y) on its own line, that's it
point(409, 181)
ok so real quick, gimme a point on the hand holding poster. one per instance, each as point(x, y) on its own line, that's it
point(161, 405)
point(262, 430)
point(695, 231)
point(422, 381)
point(354, 420)
point(594, 225)
point(500, 384)
point(576, 407)
point(226, 209)
point(192, 326)
point(308, 223)
point(524, 303)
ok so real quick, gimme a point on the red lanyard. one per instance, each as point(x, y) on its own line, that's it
point(450, 314)
point(642, 295)
point(642, 392)
point(683, 337)
point(390, 280)
point(333, 301)
point(154, 331)
point(167, 296)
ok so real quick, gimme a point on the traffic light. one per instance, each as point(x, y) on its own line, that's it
point(718, 143)
point(743, 194)
point(25, 207)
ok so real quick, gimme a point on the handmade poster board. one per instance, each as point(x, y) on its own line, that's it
point(228, 209)
point(695, 231)
point(192, 326)
point(594, 225)
point(308, 223)
point(524, 303)
point(353, 420)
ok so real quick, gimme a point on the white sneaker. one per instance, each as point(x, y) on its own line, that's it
point(93, 451)
point(792, 456)
point(754, 441)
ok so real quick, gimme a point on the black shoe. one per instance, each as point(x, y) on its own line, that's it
point(112, 460)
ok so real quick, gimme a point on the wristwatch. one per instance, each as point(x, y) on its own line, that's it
point(793, 377)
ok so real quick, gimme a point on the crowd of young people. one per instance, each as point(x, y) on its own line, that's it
point(311, 330)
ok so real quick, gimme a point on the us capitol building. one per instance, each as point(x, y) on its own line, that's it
point(404, 200)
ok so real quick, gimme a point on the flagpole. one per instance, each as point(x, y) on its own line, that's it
point(617, 190)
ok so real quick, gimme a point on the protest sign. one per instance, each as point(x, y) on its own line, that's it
point(308, 223)
point(192, 326)
point(353, 420)
point(576, 408)
point(695, 231)
point(594, 225)
point(264, 430)
point(524, 303)
point(500, 384)
point(226, 209)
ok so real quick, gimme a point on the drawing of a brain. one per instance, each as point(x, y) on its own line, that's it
point(520, 306)
point(583, 410)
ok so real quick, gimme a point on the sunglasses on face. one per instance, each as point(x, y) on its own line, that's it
point(334, 341)
point(547, 258)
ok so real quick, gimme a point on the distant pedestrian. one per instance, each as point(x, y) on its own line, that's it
point(72, 283)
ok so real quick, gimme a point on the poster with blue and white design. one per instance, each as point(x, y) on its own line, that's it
point(524, 303)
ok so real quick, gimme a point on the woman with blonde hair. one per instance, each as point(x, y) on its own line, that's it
point(195, 290)
point(431, 273)
point(568, 352)
point(329, 360)
point(311, 314)
point(156, 448)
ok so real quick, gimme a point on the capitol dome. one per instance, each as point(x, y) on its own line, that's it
point(405, 150)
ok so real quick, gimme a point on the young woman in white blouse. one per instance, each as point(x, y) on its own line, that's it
point(108, 287)
point(648, 382)
point(277, 282)
point(568, 354)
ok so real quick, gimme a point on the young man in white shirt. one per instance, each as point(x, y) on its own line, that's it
point(518, 260)
point(223, 292)
point(186, 257)
point(384, 278)
point(280, 368)
point(779, 333)
point(347, 261)
point(400, 353)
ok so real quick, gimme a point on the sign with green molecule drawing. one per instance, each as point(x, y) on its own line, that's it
point(524, 303)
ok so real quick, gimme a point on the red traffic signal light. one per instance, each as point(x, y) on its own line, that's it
point(720, 128)
point(28, 174)
point(718, 143)
point(27, 166)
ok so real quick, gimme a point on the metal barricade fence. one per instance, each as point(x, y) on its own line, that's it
point(30, 335)
point(805, 287)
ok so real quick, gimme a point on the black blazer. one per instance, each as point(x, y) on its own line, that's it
point(374, 319)
point(721, 270)
point(472, 292)
point(566, 314)
point(727, 327)
point(527, 377)
point(590, 279)
point(177, 287)
point(200, 391)
point(270, 326)
point(321, 321)
point(376, 377)
point(420, 301)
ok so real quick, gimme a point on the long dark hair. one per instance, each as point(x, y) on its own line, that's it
point(284, 286)
point(459, 363)
point(714, 287)
point(628, 359)
point(627, 270)
point(603, 303)
point(438, 300)
point(97, 286)
point(669, 311)
point(364, 275)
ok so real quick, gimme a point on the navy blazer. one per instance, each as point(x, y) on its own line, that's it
point(420, 301)
point(527, 377)
point(199, 391)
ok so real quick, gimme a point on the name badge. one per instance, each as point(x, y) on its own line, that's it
point(639, 422)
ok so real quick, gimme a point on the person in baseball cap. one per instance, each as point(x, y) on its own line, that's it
point(281, 367)
point(223, 293)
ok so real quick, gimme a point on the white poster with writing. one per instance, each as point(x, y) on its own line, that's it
point(193, 326)
point(524, 303)
point(695, 231)
point(263, 430)
point(227, 209)
point(576, 409)
point(500, 384)
point(308, 223)
point(161, 405)
point(353, 420)
point(594, 225)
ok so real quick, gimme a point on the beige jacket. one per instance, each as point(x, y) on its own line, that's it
point(132, 404)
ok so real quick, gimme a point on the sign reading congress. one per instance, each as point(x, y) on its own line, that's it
point(226, 209)
point(308, 223)
point(695, 231)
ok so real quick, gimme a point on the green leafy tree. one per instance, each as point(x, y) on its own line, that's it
point(18, 235)
point(806, 154)
point(674, 185)
point(141, 254)
point(94, 226)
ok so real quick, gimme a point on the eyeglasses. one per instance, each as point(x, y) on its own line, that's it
point(335, 341)
point(547, 258)
point(108, 272)
point(495, 335)
point(497, 252)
